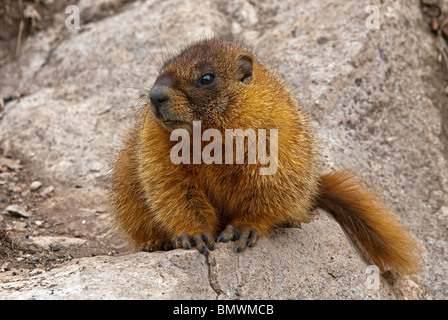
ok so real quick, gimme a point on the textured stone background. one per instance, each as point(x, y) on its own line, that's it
point(375, 98)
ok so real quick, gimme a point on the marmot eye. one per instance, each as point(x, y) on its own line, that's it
point(207, 79)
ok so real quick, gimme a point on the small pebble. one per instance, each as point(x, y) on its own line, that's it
point(18, 210)
point(7, 147)
point(35, 185)
point(39, 223)
point(5, 266)
point(47, 191)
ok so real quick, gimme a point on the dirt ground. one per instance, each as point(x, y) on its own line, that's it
point(23, 239)
point(19, 252)
point(21, 18)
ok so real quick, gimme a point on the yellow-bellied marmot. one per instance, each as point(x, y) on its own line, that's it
point(159, 204)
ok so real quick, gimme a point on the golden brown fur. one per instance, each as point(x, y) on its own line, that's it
point(361, 213)
point(159, 204)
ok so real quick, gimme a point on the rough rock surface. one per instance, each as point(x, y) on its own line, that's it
point(373, 96)
point(328, 269)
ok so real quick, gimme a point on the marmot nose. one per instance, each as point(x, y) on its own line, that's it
point(158, 97)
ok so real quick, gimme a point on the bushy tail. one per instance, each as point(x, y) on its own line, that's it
point(362, 215)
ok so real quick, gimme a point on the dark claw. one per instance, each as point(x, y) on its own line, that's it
point(203, 241)
point(212, 245)
point(239, 247)
point(223, 238)
point(209, 241)
point(186, 240)
point(241, 243)
point(200, 243)
point(177, 243)
point(230, 233)
point(202, 248)
point(155, 245)
point(248, 237)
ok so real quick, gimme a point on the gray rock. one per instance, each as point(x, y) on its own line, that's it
point(35, 185)
point(47, 191)
point(17, 210)
point(49, 242)
point(329, 268)
point(10, 163)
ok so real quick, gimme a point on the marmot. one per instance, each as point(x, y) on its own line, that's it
point(223, 85)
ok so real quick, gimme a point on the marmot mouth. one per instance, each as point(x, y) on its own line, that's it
point(173, 123)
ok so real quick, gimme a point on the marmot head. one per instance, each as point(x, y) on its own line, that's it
point(200, 84)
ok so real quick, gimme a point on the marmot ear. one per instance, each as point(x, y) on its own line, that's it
point(244, 68)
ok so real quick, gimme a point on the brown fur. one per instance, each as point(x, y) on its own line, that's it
point(369, 221)
point(156, 200)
